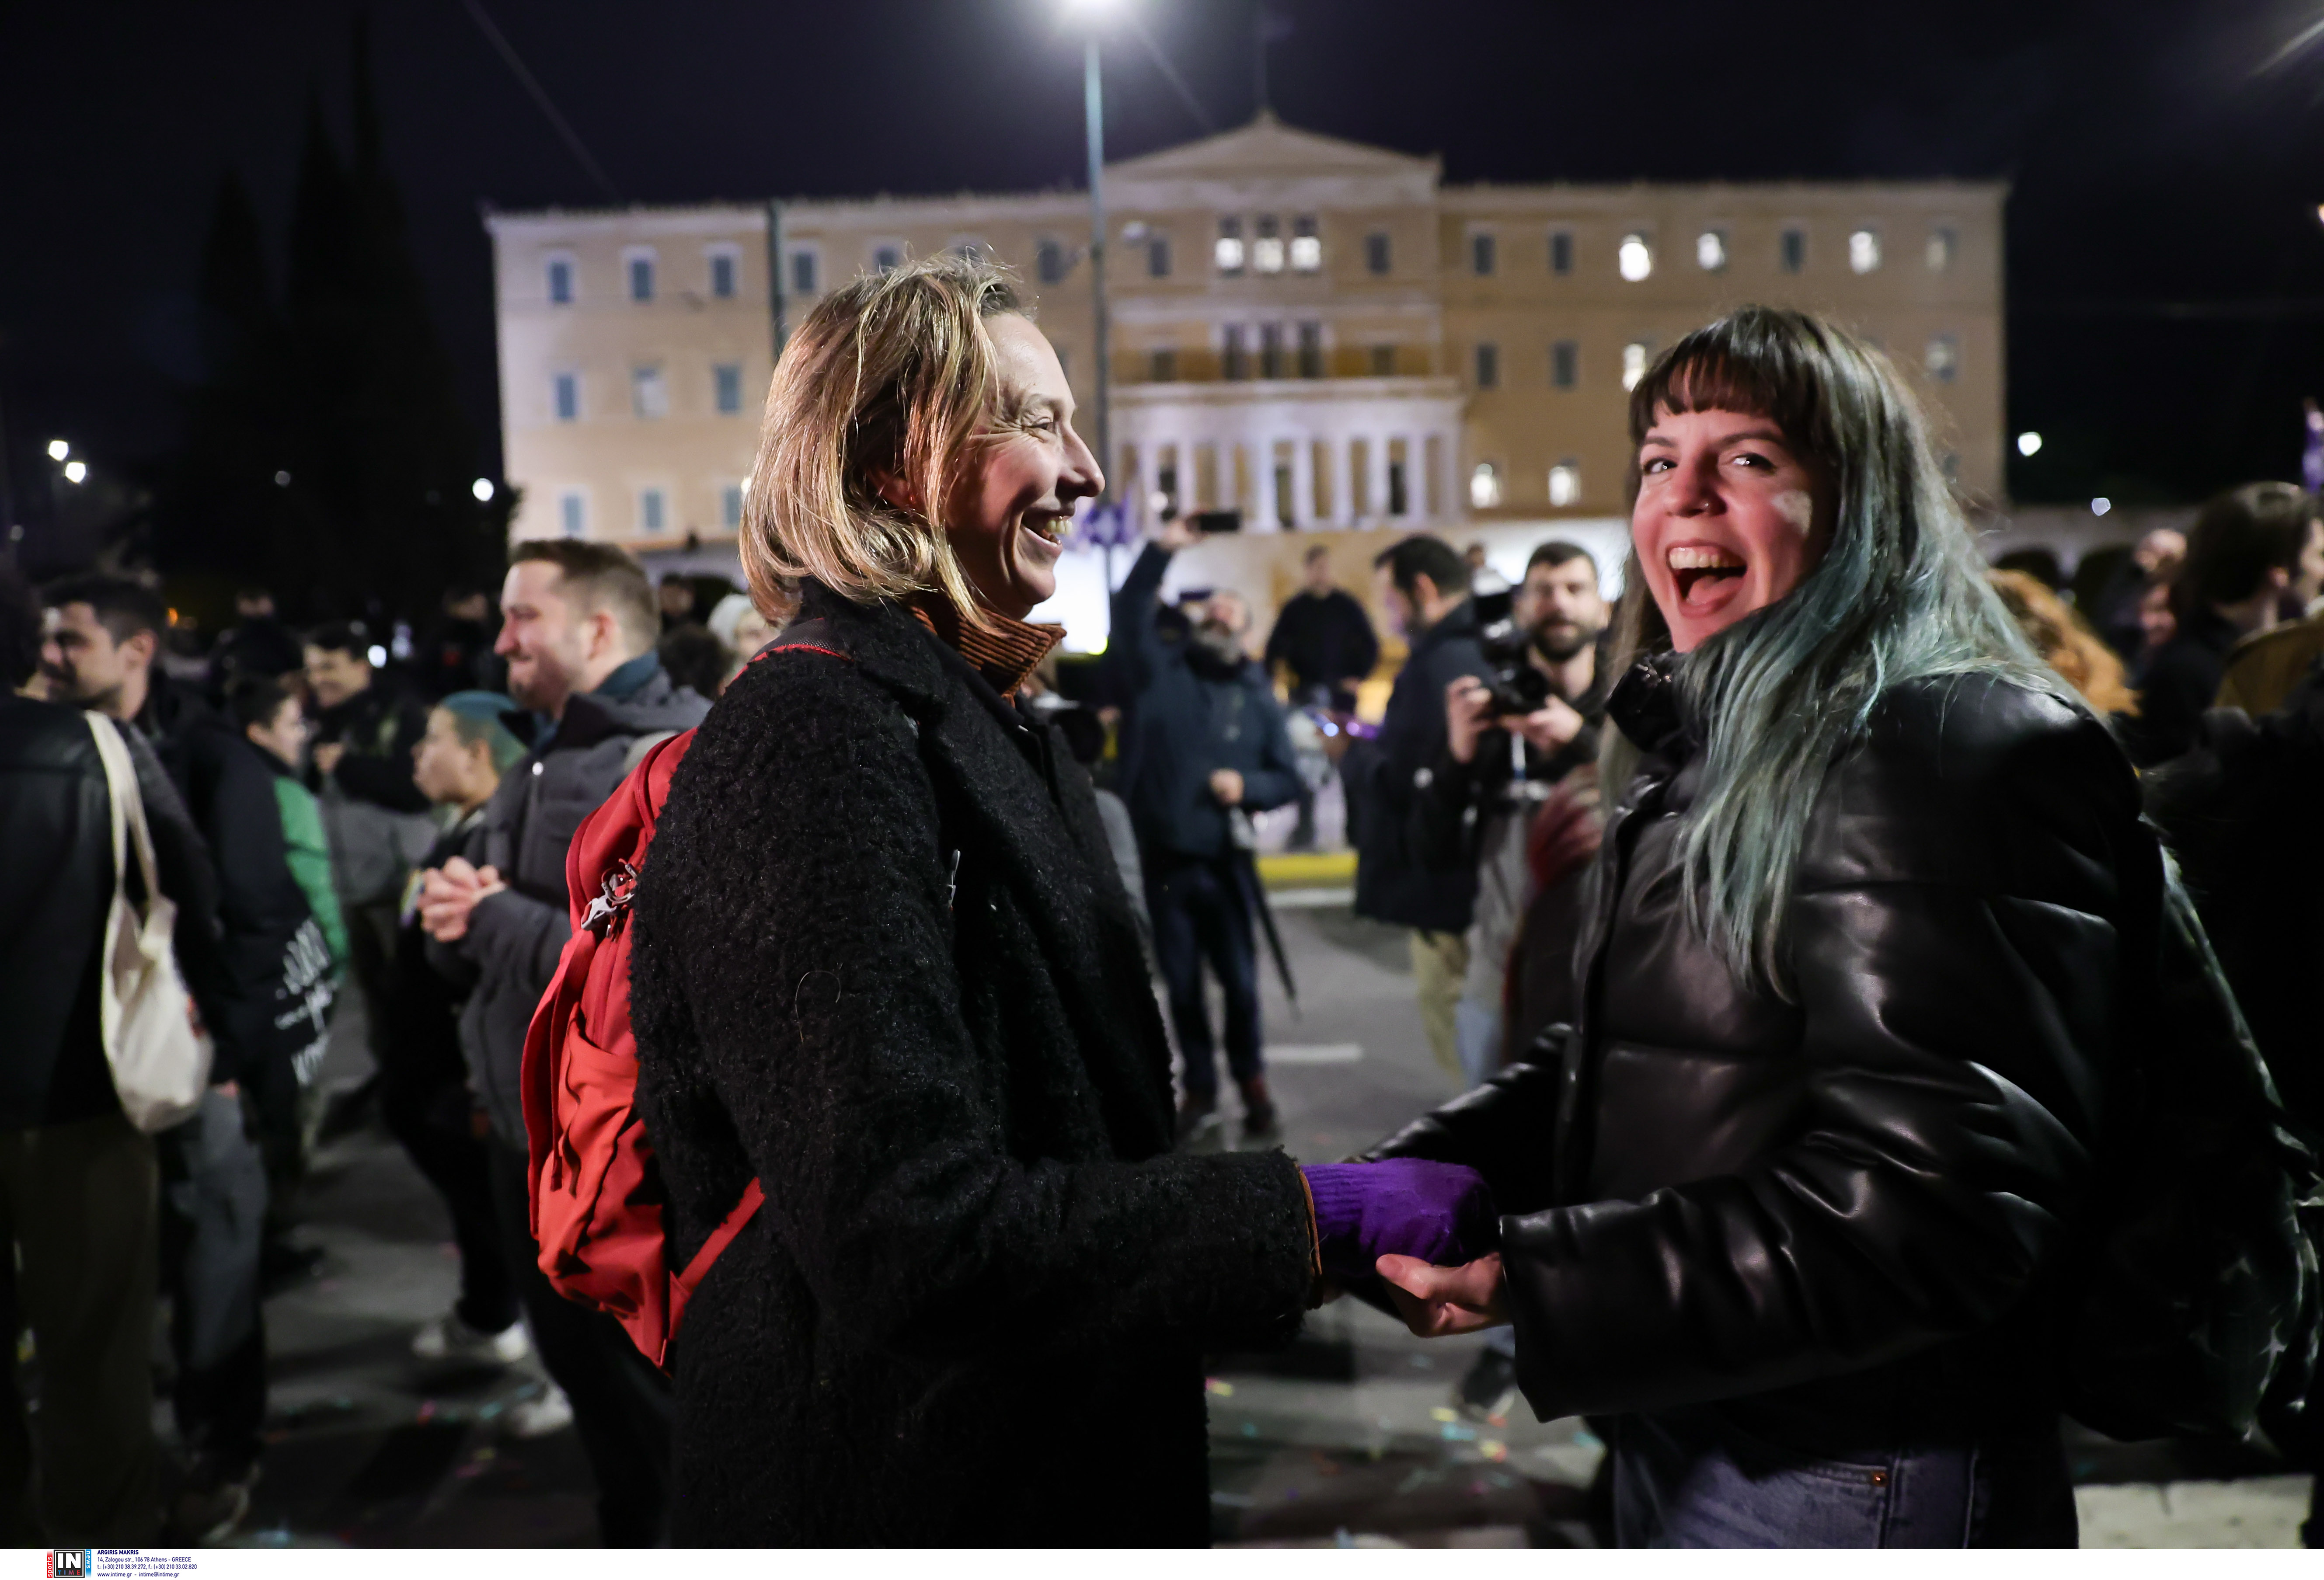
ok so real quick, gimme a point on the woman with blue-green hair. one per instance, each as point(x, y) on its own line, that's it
point(1791, 1207)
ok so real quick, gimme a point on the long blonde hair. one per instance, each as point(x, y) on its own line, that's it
point(891, 377)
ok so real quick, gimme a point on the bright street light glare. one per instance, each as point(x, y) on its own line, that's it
point(2029, 443)
point(2101, 505)
point(59, 449)
point(75, 470)
point(483, 489)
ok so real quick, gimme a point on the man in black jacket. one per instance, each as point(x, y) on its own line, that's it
point(1206, 747)
point(1325, 639)
point(1423, 584)
point(265, 1017)
point(77, 1180)
point(579, 626)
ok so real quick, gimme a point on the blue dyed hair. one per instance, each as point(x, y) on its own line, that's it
point(1900, 594)
point(477, 715)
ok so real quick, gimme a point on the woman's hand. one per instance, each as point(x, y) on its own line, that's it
point(1438, 1301)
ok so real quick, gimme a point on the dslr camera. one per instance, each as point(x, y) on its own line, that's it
point(1517, 688)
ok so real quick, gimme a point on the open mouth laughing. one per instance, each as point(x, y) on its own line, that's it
point(1704, 574)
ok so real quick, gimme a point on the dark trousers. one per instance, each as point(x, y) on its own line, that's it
point(432, 1120)
point(1200, 914)
point(214, 1201)
point(76, 1226)
point(621, 1405)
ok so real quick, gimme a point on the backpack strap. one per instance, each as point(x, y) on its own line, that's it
point(640, 746)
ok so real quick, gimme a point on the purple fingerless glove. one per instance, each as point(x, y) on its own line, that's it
point(1399, 1206)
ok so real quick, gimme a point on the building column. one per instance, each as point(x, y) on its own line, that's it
point(1302, 481)
point(1263, 501)
point(1340, 454)
point(1376, 464)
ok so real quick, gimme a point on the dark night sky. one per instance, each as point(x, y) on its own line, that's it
point(2166, 265)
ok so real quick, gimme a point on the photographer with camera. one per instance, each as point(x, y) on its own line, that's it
point(1511, 741)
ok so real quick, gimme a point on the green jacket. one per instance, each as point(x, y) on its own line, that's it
point(310, 856)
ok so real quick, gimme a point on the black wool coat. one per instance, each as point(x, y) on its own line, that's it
point(884, 963)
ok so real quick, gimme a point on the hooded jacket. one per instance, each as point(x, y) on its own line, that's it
point(515, 936)
point(1192, 715)
point(1843, 1218)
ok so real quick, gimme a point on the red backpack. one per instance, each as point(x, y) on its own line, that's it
point(597, 1195)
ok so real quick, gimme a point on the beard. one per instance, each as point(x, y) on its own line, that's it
point(1559, 641)
point(1220, 646)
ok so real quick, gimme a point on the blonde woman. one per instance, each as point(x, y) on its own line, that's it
point(886, 967)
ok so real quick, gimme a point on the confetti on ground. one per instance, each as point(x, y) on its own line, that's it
point(1219, 1386)
point(1492, 1450)
point(1442, 1414)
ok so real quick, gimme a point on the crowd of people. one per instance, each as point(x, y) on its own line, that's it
point(1795, 934)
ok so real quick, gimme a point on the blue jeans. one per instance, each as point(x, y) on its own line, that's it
point(1200, 914)
point(1691, 1478)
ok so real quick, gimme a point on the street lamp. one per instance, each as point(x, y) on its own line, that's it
point(76, 471)
point(483, 489)
point(59, 449)
point(1091, 13)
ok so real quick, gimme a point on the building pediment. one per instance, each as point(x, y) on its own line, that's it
point(1266, 158)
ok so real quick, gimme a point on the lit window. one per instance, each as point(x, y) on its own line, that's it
point(648, 392)
point(1864, 251)
point(1311, 351)
point(803, 273)
point(730, 507)
point(1267, 246)
point(642, 278)
point(1228, 252)
point(1711, 251)
point(1481, 252)
point(1489, 366)
point(653, 510)
point(1943, 358)
point(1157, 258)
point(1378, 258)
point(1307, 245)
point(722, 274)
point(887, 256)
point(726, 381)
point(568, 397)
point(1238, 360)
point(1942, 244)
point(1634, 363)
point(1166, 366)
point(1565, 483)
point(1049, 261)
point(560, 282)
point(1795, 250)
point(1634, 258)
point(1383, 362)
point(1484, 487)
point(1564, 364)
point(573, 514)
point(1561, 251)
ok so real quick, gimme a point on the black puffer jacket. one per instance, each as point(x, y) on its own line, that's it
point(1844, 1218)
point(973, 1310)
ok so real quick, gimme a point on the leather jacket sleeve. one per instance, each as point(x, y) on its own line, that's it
point(1957, 937)
point(1503, 1129)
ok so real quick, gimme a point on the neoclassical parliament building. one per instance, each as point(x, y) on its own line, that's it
point(1320, 335)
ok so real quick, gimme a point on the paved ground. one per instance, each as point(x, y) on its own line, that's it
point(1345, 1439)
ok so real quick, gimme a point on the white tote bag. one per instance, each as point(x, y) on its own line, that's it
point(160, 1063)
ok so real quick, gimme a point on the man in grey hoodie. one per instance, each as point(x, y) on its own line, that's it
point(580, 622)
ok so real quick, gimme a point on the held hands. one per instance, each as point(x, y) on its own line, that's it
point(1439, 1214)
point(447, 894)
point(1226, 785)
point(326, 756)
point(1438, 1301)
